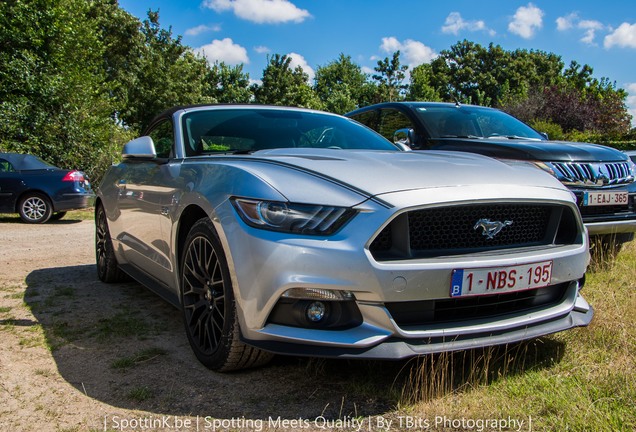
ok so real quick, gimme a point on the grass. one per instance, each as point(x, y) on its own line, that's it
point(579, 380)
point(81, 214)
point(125, 323)
point(139, 358)
point(140, 394)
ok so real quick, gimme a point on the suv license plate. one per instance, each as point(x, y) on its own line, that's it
point(496, 280)
point(604, 198)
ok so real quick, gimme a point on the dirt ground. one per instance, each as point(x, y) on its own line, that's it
point(80, 355)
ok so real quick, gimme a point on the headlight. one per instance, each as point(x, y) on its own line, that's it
point(292, 218)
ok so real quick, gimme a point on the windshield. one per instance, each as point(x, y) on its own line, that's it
point(469, 121)
point(246, 130)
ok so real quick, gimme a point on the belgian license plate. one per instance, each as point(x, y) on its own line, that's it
point(496, 280)
point(604, 198)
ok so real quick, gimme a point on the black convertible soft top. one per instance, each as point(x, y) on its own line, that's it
point(23, 162)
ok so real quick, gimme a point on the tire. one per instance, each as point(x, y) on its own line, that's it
point(35, 208)
point(108, 270)
point(58, 215)
point(208, 305)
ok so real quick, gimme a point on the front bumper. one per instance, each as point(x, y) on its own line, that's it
point(266, 264)
point(375, 342)
point(609, 219)
point(394, 348)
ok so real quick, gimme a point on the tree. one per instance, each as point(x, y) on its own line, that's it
point(390, 77)
point(283, 85)
point(421, 88)
point(54, 101)
point(468, 72)
point(165, 73)
point(340, 85)
point(227, 84)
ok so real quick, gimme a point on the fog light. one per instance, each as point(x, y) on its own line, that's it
point(316, 311)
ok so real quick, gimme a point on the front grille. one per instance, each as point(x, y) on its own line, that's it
point(450, 310)
point(455, 230)
point(593, 174)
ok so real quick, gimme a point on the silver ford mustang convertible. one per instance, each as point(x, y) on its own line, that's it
point(283, 230)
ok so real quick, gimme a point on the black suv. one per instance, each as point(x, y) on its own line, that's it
point(602, 178)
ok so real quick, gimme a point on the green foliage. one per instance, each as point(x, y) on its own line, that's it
point(78, 78)
point(54, 101)
point(166, 73)
point(491, 76)
point(421, 87)
point(282, 85)
point(227, 84)
point(390, 78)
point(554, 131)
point(341, 85)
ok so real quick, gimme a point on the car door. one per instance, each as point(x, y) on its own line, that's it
point(146, 194)
point(10, 186)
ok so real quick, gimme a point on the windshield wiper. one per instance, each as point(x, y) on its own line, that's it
point(461, 136)
point(511, 137)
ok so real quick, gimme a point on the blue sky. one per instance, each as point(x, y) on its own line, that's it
point(315, 32)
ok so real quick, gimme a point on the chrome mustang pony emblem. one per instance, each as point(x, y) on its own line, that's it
point(491, 228)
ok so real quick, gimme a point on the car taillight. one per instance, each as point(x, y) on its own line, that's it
point(72, 176)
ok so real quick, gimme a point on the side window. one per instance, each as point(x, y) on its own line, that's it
point(392, 120)
point(163, 137)
point(366, 118)
point(5, 166)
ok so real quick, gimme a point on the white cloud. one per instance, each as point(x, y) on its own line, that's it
point(455, 23)
point(590, 28)
point(260, 11)
point(566, 22)
point(631, 101)
point(262, 49)
point(390, 44)
point(298, 60)
point(368, 70)
point(224, 50)
point(526, 21)
point(195, 31)
point(624, 36)
point(415, 53)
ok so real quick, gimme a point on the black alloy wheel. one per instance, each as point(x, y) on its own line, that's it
point(208, 305)
point(107, 268)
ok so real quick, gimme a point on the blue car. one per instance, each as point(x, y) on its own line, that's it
point(38, 191)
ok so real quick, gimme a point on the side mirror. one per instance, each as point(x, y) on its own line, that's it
point(544, 135)
point(141, 147)
point(404, 138)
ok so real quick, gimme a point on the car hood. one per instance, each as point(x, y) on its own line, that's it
point(546, 151)
point(380, 172)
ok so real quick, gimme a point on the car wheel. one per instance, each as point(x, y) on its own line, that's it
point(35, 208)
point(58, 215)
point(107, 268)
point(208, 305)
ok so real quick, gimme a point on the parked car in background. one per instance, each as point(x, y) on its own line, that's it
point(602, 178)
point(284, 230)
point(632, 155)
point(38, 191)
